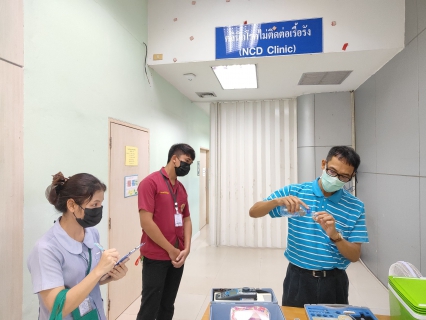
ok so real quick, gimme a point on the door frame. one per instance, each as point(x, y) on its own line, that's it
point(133, 126)
point(207, 183)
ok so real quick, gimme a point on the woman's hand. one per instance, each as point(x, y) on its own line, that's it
point(119, 271)
point(108, 259)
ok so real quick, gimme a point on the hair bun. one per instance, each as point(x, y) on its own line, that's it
point(58, 179)
point(52, 191)
point(51, 195)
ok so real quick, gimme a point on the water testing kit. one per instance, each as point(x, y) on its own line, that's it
point(244, 303)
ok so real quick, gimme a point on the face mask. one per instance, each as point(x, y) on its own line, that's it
point(91, 217)
point(183, 169)
point(331, 184)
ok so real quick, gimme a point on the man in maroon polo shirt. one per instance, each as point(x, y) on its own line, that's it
point(167, 231)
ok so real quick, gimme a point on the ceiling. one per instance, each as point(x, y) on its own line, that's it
point(278, 76)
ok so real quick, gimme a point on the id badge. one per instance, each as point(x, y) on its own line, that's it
point(178, 220)
point(85, 307)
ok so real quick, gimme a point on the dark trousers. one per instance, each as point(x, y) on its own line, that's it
point(160, 284)
point(303, 286)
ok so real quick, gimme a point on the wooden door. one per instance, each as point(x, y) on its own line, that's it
point(125, 231)
point(12, 158)
point(203, 187)
point(11, 189)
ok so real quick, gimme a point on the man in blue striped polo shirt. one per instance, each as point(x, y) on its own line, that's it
point(320, 246)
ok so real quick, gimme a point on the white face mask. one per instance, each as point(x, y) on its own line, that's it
point(331, 184)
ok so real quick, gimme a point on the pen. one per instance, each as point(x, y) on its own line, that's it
point(100, 247)
point(129, 253)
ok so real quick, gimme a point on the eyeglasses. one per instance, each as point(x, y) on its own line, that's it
point(333, 173)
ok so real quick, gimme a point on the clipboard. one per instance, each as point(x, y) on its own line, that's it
point(106, 275)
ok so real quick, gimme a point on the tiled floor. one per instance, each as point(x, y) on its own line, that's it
point(208, 267)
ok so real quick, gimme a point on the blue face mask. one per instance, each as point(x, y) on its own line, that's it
point(331, 184)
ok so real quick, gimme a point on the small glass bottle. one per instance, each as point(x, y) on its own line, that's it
point(300, 213)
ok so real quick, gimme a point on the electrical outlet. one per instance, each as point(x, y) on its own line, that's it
point(158, 56)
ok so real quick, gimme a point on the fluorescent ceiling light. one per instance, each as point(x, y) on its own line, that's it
point(237, 76)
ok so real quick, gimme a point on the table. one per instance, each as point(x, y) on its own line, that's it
point(290, 313)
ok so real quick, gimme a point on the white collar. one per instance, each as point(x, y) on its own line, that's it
point(70, 244)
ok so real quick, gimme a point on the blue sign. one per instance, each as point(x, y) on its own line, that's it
point(269, 39)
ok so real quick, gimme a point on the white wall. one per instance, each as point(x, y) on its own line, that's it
point(324, 120)
point(84, 63)
point(390, 117)
point(364, 24)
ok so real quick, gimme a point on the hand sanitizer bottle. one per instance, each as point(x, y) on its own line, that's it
point(302, 212)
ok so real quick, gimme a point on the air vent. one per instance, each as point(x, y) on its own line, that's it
point(323, 78)
point(206, 94)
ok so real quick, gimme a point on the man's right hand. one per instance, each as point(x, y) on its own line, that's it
point(174, 253)
point(261, 208)
point(292, 203)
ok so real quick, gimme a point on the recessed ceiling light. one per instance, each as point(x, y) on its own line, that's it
point(237, 76)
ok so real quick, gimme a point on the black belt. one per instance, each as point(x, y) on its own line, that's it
point(317, 273)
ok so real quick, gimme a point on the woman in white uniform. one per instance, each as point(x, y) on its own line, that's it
point(66, 256)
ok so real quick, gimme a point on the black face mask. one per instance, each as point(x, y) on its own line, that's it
point(91, 217)
point(183, 169)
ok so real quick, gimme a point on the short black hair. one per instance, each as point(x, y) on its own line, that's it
point(179, 149)
point(345, 154)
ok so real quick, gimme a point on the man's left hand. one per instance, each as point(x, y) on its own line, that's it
point(180, 260)
point(327, 223)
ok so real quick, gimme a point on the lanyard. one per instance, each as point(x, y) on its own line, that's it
point(90, 262)
point(174, 195)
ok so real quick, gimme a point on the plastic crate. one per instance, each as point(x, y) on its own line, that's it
point(407, 298)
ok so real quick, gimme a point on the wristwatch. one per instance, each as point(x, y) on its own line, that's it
point(339, 238)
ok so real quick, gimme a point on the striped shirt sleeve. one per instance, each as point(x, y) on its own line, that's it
point(280, 193)
point(359, 232)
